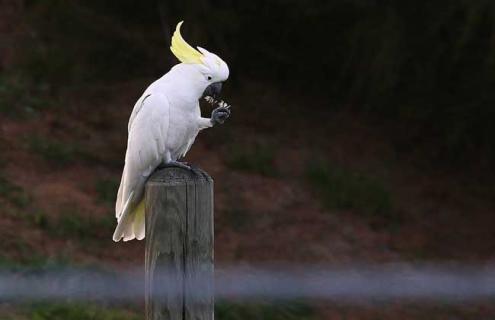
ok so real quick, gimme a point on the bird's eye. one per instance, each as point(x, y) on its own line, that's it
point(209, 78)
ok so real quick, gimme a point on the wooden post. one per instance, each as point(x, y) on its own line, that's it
point(179, 245)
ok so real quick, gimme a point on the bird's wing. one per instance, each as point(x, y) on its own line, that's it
point(148, 129)
point(137, 107)
point(120, 202)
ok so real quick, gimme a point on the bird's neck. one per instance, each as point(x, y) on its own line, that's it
point(183, 83)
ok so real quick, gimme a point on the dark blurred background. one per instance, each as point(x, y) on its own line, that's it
point(362, 132)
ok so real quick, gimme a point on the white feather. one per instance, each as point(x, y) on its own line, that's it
point(162, 128)
point(146, 144)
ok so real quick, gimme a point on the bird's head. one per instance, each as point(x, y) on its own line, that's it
point(204, 69)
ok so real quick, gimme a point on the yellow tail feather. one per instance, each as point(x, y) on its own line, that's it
point(139, 221)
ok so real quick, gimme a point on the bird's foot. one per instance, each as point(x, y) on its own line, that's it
point(220, 114)
point(176, 164)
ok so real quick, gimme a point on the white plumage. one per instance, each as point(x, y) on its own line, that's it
point(162, 128)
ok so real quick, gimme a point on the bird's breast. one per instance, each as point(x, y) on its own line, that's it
point(182, 129)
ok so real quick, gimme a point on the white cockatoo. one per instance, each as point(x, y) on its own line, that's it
point(163, 126)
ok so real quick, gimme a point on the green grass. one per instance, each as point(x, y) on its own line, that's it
point(285, 311)
point(79, 312)
point(71, 223)
point(341, 188)
point(107, 190)
point(237, 218)
point(258, 159)
point(71, 311)
point(223, 311)
point(39, 219)
point(52, 151)
point(20, 98)
point(29, 260)
point(13, 193)
point(25, 256)
point(82, 227)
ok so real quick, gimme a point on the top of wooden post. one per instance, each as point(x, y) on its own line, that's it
point(175, 175)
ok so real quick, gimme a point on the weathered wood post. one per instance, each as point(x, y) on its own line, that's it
point(179, 245)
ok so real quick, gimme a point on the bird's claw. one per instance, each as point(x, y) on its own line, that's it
point(220, 114)
point(176, 164)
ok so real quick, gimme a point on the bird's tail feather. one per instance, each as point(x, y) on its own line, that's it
point(138, 224)
point(131, 225)
point(124, 229)
point(124, 225)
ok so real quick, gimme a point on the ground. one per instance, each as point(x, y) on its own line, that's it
point(274, 194)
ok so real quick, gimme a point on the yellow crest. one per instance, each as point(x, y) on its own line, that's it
point(182, 50)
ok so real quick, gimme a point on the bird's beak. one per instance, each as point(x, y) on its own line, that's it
point(213, 90)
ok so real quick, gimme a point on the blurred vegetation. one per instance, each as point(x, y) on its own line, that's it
point(34, 262)
point(427, 68)
point(98, 49)
point(13, 193)
point(20, 97)
point(51, 150)
point(17, 253)
point(71, 224)
point(223, 311)
point(237, 218)
point(341, 188)
point(73, 311)
point(255, 159)
point(285, 311)
point(107, 190)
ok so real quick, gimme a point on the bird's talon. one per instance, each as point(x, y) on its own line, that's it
point(176, 164)
point(220, 114)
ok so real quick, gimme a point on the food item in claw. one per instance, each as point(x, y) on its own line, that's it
point(214, 101)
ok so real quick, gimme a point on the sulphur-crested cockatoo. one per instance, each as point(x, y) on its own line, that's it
point(163, 126)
